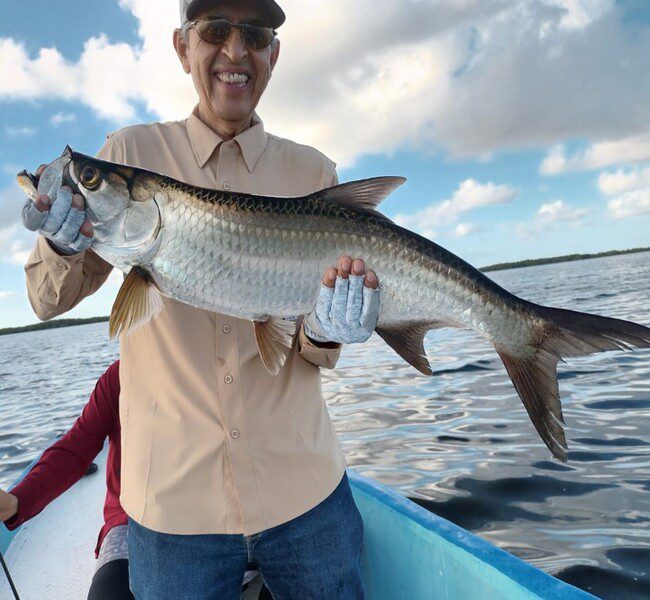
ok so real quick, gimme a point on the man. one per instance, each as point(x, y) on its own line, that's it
point(223, 465)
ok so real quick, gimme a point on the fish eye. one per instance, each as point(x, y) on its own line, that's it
point(90, 177)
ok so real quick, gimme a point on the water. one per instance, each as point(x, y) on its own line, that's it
point(461, 442)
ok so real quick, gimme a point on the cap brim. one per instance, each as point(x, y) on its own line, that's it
point(272, 10)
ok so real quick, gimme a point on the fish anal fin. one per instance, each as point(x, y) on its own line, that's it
point(535, 379)
point(407, 339)
point(274, 338)
point(138, 301)
point(365, 194)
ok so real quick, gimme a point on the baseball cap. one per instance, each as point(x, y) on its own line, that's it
point(191, 8)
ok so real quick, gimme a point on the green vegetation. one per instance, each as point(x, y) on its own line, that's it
point(557, 259)
point(52, 325)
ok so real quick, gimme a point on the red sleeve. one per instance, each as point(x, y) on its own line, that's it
point(66, 461)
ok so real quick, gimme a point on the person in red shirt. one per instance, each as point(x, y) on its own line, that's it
point(63, 464)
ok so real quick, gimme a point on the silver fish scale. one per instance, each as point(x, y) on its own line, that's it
point(250, 257)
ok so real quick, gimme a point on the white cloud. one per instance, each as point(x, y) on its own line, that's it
point(581, 13)
point(471, 77)
point(622, 181)
point(601, 154)
point(463, 229)
point(6, 295)
point(558, 210)
point(470, 195)
point(630, 204)
point(21, 131)
point(62, 118)
point(15, 241)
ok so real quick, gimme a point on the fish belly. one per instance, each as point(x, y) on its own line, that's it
point(251, 266)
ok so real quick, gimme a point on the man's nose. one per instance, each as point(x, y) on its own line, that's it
point(234, 47)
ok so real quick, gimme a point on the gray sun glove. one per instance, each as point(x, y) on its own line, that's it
point(60, 224)
point(346, 314)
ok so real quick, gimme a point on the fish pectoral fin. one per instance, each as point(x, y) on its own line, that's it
point(272, 335)
point(138, 301)
point(407, 339)
point(365, 193)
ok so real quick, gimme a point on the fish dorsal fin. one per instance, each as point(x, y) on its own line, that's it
point(364, 194)
point(273, 336)
point(138, 301)
point(407, 339)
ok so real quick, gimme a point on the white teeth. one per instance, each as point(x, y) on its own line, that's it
point(237, 79)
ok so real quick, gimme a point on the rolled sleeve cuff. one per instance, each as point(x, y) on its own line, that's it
point(47, 253)
point(322, 355)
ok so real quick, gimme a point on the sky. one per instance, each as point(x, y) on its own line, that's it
point(522, 126)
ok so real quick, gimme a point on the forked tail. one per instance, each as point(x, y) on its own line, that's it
point(563, 333)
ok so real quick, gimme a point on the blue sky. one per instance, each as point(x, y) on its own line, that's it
point(523, 126)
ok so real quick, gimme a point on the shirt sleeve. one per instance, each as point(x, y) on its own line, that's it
point(66, 461)
point(324, 355)
point(57, 283)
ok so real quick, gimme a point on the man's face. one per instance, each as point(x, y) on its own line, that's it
point(212, 65)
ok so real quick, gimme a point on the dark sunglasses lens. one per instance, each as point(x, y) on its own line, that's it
point(257, 37)
point(214, 31)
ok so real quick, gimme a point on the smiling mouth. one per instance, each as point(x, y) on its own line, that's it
point(234, 79)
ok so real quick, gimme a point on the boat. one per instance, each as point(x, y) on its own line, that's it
point(409, 552)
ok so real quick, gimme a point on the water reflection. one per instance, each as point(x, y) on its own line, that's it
point(459, 442)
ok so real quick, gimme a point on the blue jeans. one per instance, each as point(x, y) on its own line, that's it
point(316, 556)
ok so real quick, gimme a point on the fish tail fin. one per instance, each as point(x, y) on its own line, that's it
point(563, 333)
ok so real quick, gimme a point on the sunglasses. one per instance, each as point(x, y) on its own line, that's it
point(217, 31)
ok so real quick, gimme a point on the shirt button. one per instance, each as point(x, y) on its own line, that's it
point(52, 295)
point(61, 266)
point(228, 378)
point(234, 434)
point(226, 186)
point(226, 328)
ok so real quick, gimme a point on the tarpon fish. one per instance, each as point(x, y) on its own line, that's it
point(261, 258)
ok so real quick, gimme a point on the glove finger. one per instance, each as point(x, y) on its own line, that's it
point(355, 300)
point(324, 303)
point(370, 310)
point(33, 218)
point(70, 228)
point(61, 203)
point(339, 301)
point(80, 243)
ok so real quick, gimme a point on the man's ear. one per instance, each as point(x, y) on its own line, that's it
point(181, 49)
point(275, 52)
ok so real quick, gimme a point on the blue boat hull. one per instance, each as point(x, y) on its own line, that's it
point(409, 553)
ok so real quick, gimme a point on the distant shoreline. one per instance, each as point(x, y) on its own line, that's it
point(55, 324)
point(496, 267)
point(558, 259)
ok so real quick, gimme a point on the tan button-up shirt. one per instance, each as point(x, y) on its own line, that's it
point(211, 443)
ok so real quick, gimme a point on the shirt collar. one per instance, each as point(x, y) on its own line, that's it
point(204, 141)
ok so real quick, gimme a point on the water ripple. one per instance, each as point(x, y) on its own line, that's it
point(460, 443)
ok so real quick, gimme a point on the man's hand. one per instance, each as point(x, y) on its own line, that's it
point(348, 304)
point(59, 215)
point(8, 505)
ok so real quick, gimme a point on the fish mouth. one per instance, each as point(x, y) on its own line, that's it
point(28, 183)
point(28, 178)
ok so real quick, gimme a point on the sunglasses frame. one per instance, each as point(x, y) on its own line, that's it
point(242, 27)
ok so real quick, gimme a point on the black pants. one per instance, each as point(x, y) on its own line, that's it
point(111, 582)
